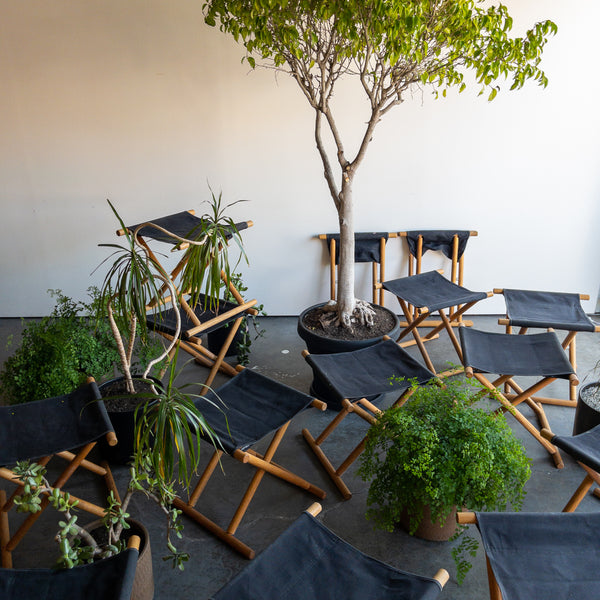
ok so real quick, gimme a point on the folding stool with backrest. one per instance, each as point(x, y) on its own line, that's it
point(310, 562)
point(242, 412)
point(540, 555)
point(200, 318)
point(369, 247)
point(428, 293)
point(451, 243)
point(557, 310)
point(66, 426)
point(351, 381)
point(537, 355)
point(585, 449)
point(108, 579)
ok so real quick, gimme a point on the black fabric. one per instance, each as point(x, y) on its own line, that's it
point(431, 290)
point(183, 224)
point(248, 407)
point(366, 246)
point(35, 429)
point(584, 447)
point(439, 240)
point(310, 562)
point(165, 321)
point(527, 308)
point(547, 556)
point(539, 354)
point(367, 372)
point(108, 579)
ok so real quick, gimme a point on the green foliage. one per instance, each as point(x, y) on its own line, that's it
point(395, 43)
point(168, 428)
point(58, 352)
point(209, 257)
point(440, 451)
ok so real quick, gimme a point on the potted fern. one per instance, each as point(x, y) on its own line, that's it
point(133, 282)
point(438, 452)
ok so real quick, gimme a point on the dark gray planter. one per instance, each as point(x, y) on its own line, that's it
point(320, 344)
point(587, 413)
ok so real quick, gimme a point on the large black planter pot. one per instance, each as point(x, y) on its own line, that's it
point(587, 413)
point(319, 344)
point(123, 423)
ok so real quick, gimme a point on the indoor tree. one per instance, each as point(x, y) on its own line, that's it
point(389, 47)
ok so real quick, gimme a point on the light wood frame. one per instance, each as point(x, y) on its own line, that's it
point(456, 272)
point(193, 344)
point(74, 460)
point(569, 346)
point(263, 463)
point(377, 269)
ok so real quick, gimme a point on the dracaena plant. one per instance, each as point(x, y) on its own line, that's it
point(136, 280)
point(390, 48)
point(168, 428)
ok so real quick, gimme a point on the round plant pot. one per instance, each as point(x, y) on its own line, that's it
point(587, 413)
point(319, 343)
point(123, 422)
point(143, 583)
point(432, 531)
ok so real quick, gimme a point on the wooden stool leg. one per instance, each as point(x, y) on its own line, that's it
point(4, 533)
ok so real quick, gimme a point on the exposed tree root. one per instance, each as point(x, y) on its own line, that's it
point(362, 314)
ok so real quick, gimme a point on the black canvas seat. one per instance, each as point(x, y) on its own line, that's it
point(585, 449)
point(540, 555)
point(426, 293)
point(369, 247)
point(537, 355)
point(66, 426)
point(450, 243)
point(198, 317)
point(350, 382)
point(309, 562)
point(528, 309)
point(108, 579)
point(242, 412)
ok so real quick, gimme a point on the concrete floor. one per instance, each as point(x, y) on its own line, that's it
point(277, 504)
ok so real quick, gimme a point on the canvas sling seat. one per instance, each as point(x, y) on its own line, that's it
point(199, 318)
point(351, 382)
point(369, 247)
point(310, 562)
point(538, 355)
point(107, 579)
point(242, 412)
point(451, 243)
point(585, 449)
point(540, 555)
point(557, 310)
point(66, 426)
point(429, 293)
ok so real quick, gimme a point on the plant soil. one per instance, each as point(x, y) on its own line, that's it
point(383, 324)
point(117, 399)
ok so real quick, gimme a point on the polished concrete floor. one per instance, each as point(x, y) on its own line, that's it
point(276, 504)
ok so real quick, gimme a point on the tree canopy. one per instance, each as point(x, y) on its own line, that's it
point(390, 46)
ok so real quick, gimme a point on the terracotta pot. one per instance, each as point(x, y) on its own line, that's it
point(587, 413)
point(143, 584)
point(428, 530)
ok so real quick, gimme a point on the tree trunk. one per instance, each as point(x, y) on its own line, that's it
point(345, 292)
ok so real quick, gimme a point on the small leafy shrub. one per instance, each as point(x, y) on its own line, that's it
point(440, 451)
point(58, 352)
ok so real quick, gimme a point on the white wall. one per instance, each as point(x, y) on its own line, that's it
point(140, 102)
